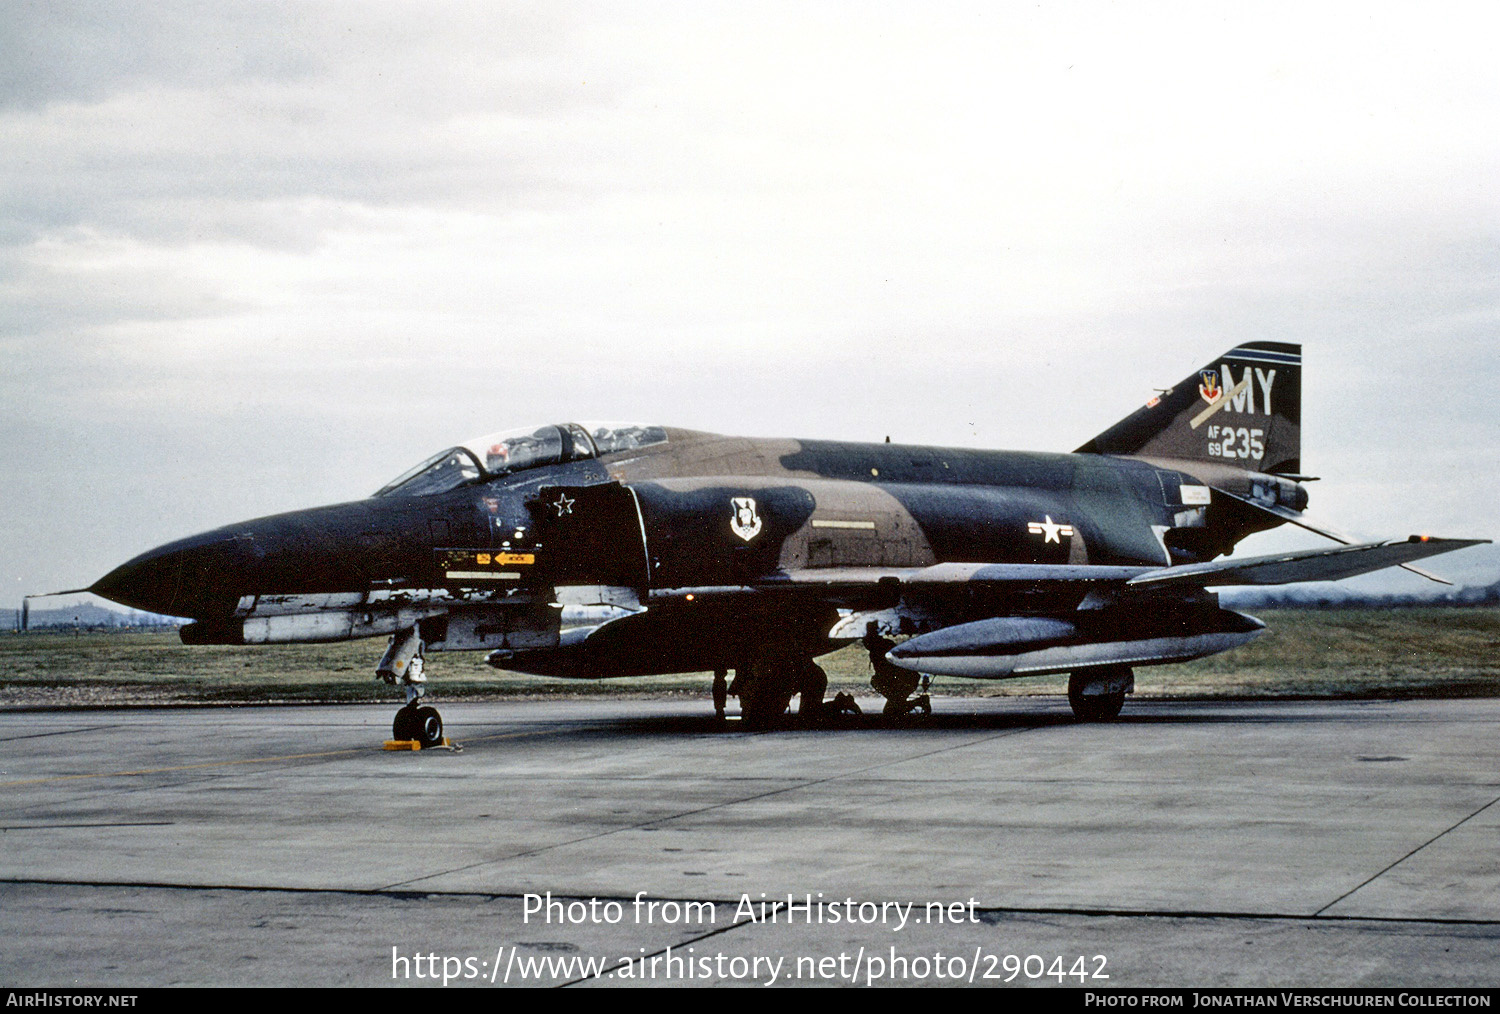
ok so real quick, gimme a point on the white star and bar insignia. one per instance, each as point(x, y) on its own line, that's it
point(564, 505)
point(1050, 531)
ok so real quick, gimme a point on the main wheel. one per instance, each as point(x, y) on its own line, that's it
point(429, 727)
point(765, 690)
point(763, 707)
point(1097, 707)
point(1115, 681)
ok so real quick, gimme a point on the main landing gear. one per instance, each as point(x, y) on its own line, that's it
point(402, 665)
point(1097, 695)
point(767, 685)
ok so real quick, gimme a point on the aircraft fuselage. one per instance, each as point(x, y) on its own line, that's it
point(698, 511)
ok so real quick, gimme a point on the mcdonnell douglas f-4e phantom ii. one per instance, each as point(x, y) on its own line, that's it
point(598, 550)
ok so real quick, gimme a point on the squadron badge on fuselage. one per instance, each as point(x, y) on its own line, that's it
point(746, 521)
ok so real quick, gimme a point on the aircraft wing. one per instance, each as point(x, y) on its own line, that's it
point(1305, 565)
point(1278, 569)
point(1281, 568)
point(1170, 629)
point(1293, 517)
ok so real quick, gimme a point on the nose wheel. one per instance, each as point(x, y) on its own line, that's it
point(418, 722)
point(402, 666)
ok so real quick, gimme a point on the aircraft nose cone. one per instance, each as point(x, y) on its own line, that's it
point(193, 577)
point(151, 582)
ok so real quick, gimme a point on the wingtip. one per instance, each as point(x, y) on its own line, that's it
point(1452, 544)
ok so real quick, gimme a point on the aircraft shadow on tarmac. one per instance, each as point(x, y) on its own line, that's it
point(957, 720)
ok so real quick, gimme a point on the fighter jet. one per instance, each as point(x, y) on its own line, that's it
point(591, 550)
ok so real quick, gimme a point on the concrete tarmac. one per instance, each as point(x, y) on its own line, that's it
point(1187, 844)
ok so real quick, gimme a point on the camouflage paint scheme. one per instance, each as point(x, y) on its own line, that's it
point(689, 551)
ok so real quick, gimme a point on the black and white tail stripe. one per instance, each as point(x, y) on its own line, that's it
point(1265, 356)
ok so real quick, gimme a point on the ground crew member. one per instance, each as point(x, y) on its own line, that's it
point(891, 681)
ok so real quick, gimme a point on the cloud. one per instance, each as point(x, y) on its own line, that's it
point(280, 228)
point(75, 52)
point(78, 52)
point(193, 121)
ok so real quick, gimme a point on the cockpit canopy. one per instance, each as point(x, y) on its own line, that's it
point(510, 451)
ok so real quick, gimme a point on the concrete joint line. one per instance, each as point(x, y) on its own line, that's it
point(1398, 862)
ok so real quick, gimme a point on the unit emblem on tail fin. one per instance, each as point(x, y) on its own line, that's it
point(1209, 388)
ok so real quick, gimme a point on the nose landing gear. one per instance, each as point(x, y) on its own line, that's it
point(402, 665)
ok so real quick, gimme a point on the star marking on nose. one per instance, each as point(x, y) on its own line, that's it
point(1049, 530)
point(565, 506)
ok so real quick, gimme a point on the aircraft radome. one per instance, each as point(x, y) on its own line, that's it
point(600, 549)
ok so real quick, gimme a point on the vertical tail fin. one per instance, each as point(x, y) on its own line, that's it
point(1244, 408)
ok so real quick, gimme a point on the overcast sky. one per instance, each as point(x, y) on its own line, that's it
point(259, 257)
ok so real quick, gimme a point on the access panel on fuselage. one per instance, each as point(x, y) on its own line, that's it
point(588, 535)
point(718, 531)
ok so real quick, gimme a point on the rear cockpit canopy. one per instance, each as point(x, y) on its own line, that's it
point(510, 451)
